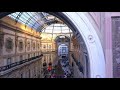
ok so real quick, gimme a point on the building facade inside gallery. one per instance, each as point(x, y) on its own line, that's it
point(29, 41)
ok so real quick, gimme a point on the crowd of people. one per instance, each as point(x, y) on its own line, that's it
point(62, 67)
point(66, 67)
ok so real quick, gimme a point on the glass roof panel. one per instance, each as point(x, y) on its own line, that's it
point(67, 30)
point(57, 31)
point(48, 31)
point(57, 28)
point(31, 19)
point(37, 20)
point(49, 28)
point(65, 27)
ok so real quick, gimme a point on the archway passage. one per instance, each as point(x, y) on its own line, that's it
point(86, 35)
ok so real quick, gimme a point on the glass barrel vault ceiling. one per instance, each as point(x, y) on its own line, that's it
point(35, 20)
point(54, 30)
point(57, 29)
point(42, 22)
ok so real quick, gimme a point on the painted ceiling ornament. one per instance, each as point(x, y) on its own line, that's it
point(90, 38)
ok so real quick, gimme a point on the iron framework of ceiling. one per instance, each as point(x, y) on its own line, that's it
point(35, 20)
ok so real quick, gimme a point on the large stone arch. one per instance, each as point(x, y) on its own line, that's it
point(81, 24)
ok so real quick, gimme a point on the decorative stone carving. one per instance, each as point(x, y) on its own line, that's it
point(90, 38)
point(9, 44)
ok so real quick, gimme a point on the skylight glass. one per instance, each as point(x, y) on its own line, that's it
point(33, 20)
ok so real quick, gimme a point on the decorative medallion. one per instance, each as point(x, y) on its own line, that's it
point(90, 38)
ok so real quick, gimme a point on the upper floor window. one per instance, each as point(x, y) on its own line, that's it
point(9, 44)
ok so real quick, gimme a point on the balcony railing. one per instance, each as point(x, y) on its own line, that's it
point(3, 68)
